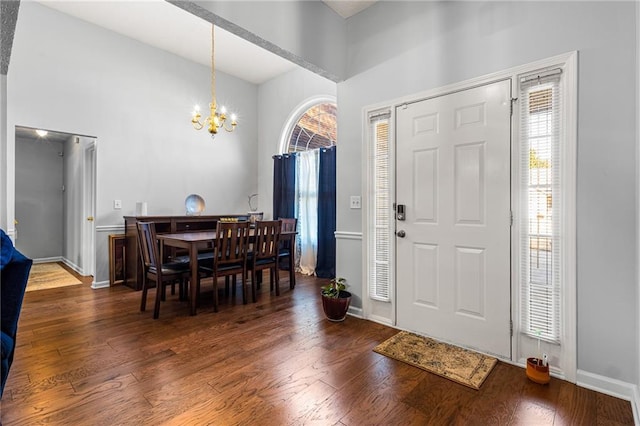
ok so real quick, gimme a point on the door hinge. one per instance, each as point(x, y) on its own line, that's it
point(511, 218)
point(511, 327)
point(513, 100)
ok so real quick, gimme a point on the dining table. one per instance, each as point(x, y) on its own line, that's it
point(196, 241)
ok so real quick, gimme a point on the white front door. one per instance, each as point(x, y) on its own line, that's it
point(453, 178)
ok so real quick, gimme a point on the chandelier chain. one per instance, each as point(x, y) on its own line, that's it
point(216, 119)
point(213, 67)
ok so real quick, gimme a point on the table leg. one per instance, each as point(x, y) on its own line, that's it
point(292, 263)
point(193, 284)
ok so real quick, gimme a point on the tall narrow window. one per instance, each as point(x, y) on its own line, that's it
point(541, 165)
point(380, 262)
point(311, 136)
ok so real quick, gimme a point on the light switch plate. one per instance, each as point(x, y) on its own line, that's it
point(117, 204)
point(355, 202)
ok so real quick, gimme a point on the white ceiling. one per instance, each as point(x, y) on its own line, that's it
point(347, 9)
point(170, 28)
point(30, 133)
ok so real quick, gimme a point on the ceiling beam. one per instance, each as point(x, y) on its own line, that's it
point(8, 19)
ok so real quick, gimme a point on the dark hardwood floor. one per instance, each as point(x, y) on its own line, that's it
point(89, 357)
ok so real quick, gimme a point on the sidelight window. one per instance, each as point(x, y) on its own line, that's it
point(541, 228)
point(380, 196)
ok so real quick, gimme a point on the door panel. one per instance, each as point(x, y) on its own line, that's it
point(453, 174)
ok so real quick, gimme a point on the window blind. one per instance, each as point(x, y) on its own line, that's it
point(540, 130)
point(379, 268)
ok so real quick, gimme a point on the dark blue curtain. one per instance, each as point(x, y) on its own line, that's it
point(326, 261)
point(284, 185)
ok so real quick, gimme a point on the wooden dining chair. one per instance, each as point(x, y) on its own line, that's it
point(167, 273)
point(229, 257)
point(264, 254)
point(285, 251)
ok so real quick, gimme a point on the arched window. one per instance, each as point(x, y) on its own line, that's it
point(315, 128)
point(304, 182)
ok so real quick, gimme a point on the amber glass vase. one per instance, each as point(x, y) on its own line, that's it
point(537, 372)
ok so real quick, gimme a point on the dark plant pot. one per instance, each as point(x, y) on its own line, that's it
point(335, 308)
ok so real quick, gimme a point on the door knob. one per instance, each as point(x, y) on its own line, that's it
point(90, 218)
point(401, 233)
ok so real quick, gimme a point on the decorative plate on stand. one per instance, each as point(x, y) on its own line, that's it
point(194, 205)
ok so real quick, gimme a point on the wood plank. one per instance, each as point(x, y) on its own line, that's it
point(91, 357)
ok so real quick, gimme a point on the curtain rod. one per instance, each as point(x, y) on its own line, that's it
point(289, 154)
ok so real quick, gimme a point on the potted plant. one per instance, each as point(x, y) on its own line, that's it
point(335, 299)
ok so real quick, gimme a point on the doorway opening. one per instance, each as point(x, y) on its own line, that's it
point(55, 197)
point(470, 164)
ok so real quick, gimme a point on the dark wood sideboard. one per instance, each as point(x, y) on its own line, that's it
point(164, 224)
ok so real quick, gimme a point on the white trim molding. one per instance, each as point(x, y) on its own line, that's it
point(345, 235)
point(637, 391)
point(566, 353)
point(298, 111)
point(73, 266)
point(616, 388)
point(110, 228)
point(355, 312)
point(49, 260)
point(381, 320)
point(635, 404)
point(99, 284)
point(12, 234)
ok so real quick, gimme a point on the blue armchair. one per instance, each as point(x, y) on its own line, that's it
point(15, 269)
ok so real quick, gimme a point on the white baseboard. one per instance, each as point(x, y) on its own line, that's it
point(616, 388)
point(635, 405)
point(70, 264)
point(48, 259)
point(355, 312)
point(12, 234)
point(381, 320)
point(73, 266)
point(101, 284)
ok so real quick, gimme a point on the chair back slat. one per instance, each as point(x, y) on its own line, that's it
point(148, 243)
point(267, 237)
point(289, 224)
point(232, 240)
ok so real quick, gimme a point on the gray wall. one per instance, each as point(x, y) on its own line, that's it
point(278, 99)
point(39, 198)
point(307, 32)
point(400, 48)
point(71, 76)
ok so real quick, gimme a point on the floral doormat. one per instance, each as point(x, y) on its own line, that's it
point(460, 365)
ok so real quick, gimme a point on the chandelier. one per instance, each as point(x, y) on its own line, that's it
point(216, 119)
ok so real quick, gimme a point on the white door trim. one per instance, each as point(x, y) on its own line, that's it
point(89, 208)
point(568, 61)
